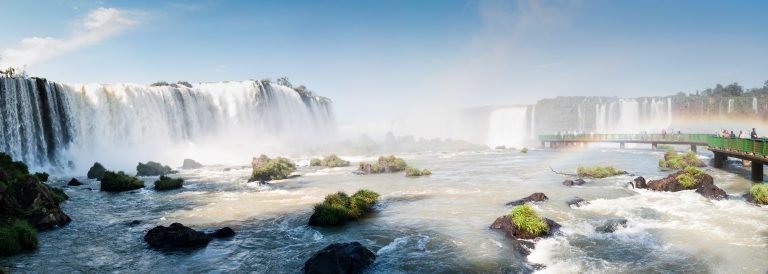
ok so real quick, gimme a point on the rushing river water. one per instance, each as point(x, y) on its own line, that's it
point(432, 224)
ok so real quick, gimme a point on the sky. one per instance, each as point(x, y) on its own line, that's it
point(384, 60)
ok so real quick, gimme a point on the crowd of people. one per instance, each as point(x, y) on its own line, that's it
point(742, 134)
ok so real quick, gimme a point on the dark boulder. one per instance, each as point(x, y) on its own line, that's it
point(118, 182)
point(576, 202)
point(176, 236)
point(23, 196)
point(576, 182)
point(611, 225)
point(74, 182)
point(639, 182)
point(535, 197)
point(134, 223)
point(703, 184)
point(152, 169)
point(96, 171)
point(340, 258)
point(505, 224)
point(191, 164)
point(42, 176)
point(224, 232)
point(711, 191)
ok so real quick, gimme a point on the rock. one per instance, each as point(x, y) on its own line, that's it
point(711, 191)
point(191, 164)
point(96, 171)
point(259, 161)
point(504, 223)
point(639, 182)
point(168, 183)
point(535, 197)
point(576, 202)
point(42, 176)
point(224, 232)
point(74, 182)
point(576, 182)
point(118, 182)
point(340, 258)
point(703, 184)
point(24, 197)
point(611, 225)
point(153, 169)
point(176, 236)
point(134, 223)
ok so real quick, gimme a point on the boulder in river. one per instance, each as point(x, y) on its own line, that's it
point(687, 179)
point(118, 182)
point(576, 182)
point(524, 223)
point(191, 164)
point(266, 169)
point(152, 169)
point(168, 183)
point(576, 202)
point(535, 197)
point(340, 258)
point(176, 236)
point(224, 232)
point(639, 182)
point(757, 194)
point(384, 164)
point(339, 208)
point(74, 182)
point(611, 225)
point(96, 171)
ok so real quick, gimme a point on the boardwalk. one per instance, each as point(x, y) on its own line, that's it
point(754, 150)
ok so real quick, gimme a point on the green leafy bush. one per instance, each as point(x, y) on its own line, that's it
point(384, 165)
point(673, 160)
point(168, 183)
point(329, 161)
point(685, 180)
point(117, 182)
point(524, 150)
point(759, 193)
point(526, 219)
point(599, 171)
point(275, 169)
point(413, 172)
point(16, 237)
point(96, 171)
point(339, 208)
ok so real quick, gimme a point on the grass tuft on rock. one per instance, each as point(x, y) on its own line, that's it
point(388, 164)
point(16, 237)
point(338, 208)
point(599, 171)
point(759, 193)
point(117, 182)
point(673, 160)
point(415, 172)
point(527, 220)
point(168, 183)
point(329, 161)
point(274, 169)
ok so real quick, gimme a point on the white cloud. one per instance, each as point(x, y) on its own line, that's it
point(98, 25)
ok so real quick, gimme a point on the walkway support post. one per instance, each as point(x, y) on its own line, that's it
point(720, 160)
point(757, 171)
point(654, 146)
point(693, 148)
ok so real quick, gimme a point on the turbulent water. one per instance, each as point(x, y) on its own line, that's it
point(435, 224)
point(57, 126)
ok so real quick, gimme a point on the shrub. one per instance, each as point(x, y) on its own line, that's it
point(315, 162)
point(673, 160)
point(598, 171)
point(686, 180)
point(152, 169)
point(329, 161)
point(524, 150)
point(58, 195)
point(384, 165)
point(168, 183)
point(412, 172)
point(117, 182)
point(96, 171)
point(16, 237)
point(693, 171)
point(275, 169)
point(526, 219)
point(339, 208)
point(759, 193)
point(42, 176)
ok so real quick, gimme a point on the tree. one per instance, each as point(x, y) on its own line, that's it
point(765, 85)
point(283, 81)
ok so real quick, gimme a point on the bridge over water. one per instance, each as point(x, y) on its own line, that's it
point(754, 150)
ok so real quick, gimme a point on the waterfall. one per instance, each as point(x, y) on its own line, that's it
point(730, 105)
point(754, 104)
point(631, 115)
point(507, 127)
point(533, 122)
point(47, 124)
point(601, 118)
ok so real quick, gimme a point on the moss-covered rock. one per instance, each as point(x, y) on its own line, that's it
point(340, 208)
point(152, 169)
point(524, 223)
point(758, 194)
point(387, 164)
point(329, 161)
point(96, 171)
point(16, 237)
point(415, 172)
point(118, 182)
point(687, 179)
point(266, 169)
point(524, 150)
point(599, 171)
point(168, 183)
point(673, 160)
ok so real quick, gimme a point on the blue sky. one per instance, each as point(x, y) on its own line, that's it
point(379, 60)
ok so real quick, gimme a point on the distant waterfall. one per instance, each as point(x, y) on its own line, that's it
point(754, 104)
point(508, 127)
point(48, 124)
point(631, 115)
point(730, 105)
point(533, 122)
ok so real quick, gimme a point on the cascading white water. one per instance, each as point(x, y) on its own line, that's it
point(533, 122)
point(507, 127)
point(633, 115)
point(730, 105)
point(121, 124)
point(754, 104)
point(601, 118)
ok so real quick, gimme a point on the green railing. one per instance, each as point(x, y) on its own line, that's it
point(699, 138)
point(748, 146)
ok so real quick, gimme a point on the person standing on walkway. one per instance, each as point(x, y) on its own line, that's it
point(753, 135)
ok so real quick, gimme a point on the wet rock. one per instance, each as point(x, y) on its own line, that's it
point(118, 182)
point(191, 164)
point(611, 225)
point(639, 182)
point(42, 176)
point(576, 182)
point(224, 232)
point(711, 191)
point(96, 171)
point(576, 202)
point(153, 169)
point(504, 224)
point(340, 258)
point(24, 197)
point(703, 184)
point(134, 223)
point(176, 236)
point(535, 197)
point(74, 182)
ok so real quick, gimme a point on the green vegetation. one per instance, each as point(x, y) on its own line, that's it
point(413, 172)
point(673, 160)
point(759, 193)
point(117, 182)
point(599, 171)
point(524, 150)
point(42, 176)
point(329, 161)
point(96, 171)
point(16, 237)
point(339, 208)
point(526, 219)
point(384, 165)
point(274, 169)
point(687, 179)
point(168, 183)
point(152, 169)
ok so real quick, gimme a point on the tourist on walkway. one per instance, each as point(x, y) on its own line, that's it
point(753, 135)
